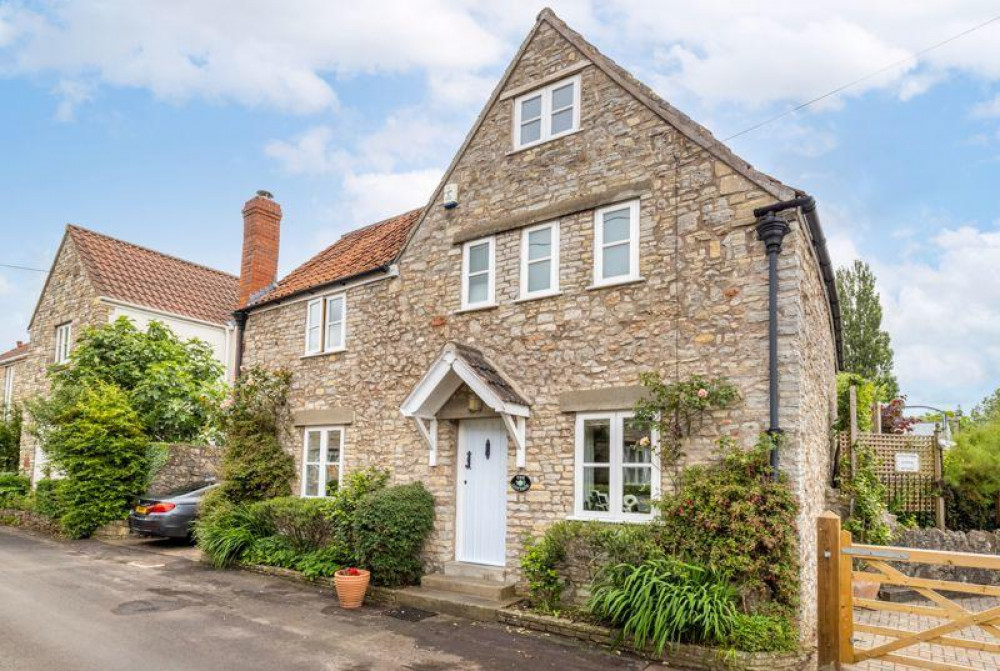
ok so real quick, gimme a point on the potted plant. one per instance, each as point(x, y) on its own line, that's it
point(351, 584)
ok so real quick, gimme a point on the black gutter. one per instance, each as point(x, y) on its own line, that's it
point(241, 323)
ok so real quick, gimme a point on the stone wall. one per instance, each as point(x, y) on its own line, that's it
point(979, 542)
point(187, 464)
point(701, 308)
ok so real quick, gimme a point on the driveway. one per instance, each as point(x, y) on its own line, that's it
point(89, 605)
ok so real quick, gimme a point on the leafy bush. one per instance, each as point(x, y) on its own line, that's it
point(663, 601)
point(98, 442)
point(229, 532)
point(868, 393)
point(302, 523)
point(863, 487)
point(762, 633)
point(49, 497)
point(390, 528)
point(732, 517)
point(254, 465)
point(10, 440)
point(13, 485)
point(972, 474)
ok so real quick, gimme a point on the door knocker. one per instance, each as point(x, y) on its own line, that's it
point(487, 448)
point(468, 460)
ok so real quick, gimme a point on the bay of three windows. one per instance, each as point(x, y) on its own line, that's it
point(616, 257)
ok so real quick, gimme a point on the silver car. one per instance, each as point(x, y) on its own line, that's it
point(169, 515)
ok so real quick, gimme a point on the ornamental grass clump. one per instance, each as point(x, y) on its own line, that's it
point(665, 601)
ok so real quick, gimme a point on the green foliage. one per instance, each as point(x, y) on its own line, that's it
point(228, 532)
point(732, 517)
point(867, 493)
point(972, 474)
point(671, 407)
point(987, 410)
point(763, 633)
point(867, 392)
point(663, 601)
point(174, 386)
point(867, 349)
point(50, 498)
point(612, 543)
point(98, 443)
point(302, 523)
point(254, 465)
point(390, 528)
point(13, 485)
point(10, 439)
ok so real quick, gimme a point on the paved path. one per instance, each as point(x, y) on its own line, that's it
point(970, 659)
point(88, 606)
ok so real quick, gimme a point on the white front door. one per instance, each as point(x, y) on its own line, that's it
point(482, 492)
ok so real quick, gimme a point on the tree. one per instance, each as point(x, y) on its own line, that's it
point(867, 349)
point(10, 440)
point(987, 409)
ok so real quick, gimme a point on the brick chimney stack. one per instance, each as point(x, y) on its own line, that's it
point(261, 235)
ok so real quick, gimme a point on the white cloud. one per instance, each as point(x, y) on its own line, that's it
point(987, 109)
point(374, 196)
point(309, 153)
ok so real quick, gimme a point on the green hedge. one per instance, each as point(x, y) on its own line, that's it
point(50, 497)
point(12, 486)
point(390, 527)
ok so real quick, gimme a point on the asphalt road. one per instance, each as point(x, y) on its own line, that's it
point(86, 605)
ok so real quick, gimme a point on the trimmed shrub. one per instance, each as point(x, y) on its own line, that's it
point(390, 528)
point(13, 485)
point(49, 498)
point(763, 633)
point(302, 523)
point(10, 439)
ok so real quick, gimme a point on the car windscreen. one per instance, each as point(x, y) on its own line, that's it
point(183, 489)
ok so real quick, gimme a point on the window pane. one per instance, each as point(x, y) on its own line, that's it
point(336, 310)
point(531, 132)
point(616, 226)
point(333, 447)
point(531, 108)
point(312, 481)
point(314, 312)
point(314, 339)
point(312, 446)
point(596, 488)
point(479, 257)
point(540, 244)
point(637, 447)
point(637, 492)
point(616, 261)
point(597, 441)
point(562, 121)
point(539, 276)
point(333, 336)
point(478, 289)
point(332, 479)
point(562, 97)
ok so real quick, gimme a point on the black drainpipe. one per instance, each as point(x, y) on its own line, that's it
point(241, 323)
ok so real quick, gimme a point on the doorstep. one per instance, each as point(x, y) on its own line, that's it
point(463, 590)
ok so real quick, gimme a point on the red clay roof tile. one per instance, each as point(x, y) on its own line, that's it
point(15, 353)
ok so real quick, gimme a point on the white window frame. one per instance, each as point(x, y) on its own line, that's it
point(491, 272)
point(64, 337)
point(614, 513)
point(633, 241)
point(323, 324)
point(546, 112)
point(324, 446)
point(553, 287)
point(8, 390)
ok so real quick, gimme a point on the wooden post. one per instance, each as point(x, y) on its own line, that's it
point(846, 569)
point(876, 417)
point(939, 481)
point(828, 560)
point(853, 397)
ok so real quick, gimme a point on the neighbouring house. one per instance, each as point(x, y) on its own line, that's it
point(96, 279)
point(586, 232)
point(9, 367)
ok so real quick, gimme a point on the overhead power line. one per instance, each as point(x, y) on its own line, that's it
point(859, 80)
point(8, 265)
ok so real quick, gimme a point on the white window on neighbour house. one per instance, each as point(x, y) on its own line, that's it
point(322, 460)
point(8, 390)
point(326, 322)
point(617, 475)
point(547, 113)
point(64, 334)
point(478, 272)
point(616, 244)
point(540, 260)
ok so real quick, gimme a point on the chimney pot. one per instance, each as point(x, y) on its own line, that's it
point(261, 235)
point(265, 194)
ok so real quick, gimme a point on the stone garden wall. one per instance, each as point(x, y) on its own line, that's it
point(980, 542)
point(187, 464)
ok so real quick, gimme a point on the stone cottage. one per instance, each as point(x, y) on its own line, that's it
point(585, 233)
point(96, 279)
point(9, 374)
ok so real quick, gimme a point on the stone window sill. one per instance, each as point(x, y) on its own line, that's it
point(537, 297)
point(616, 283)
point(535, 145)
point(477, 308)
point(326, 353)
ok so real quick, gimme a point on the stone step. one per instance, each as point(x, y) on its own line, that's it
point(461, 569)
point(488, 589)
point(451, 603)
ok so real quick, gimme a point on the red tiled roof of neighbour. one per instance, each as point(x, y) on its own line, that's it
point(20, 350)
point(123, 271)
point(356, 252)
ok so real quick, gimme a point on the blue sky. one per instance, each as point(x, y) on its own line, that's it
point(154, 122)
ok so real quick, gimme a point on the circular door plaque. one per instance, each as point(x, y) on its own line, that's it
point(520, 483)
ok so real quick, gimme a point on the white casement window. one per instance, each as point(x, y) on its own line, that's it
point(64, 335)
point(540, 260)
point(322, 460)
point(478, 271)
point(326, 324)
point(8, 391)
point(617, 474)
point(547, 113)
point(616, 244)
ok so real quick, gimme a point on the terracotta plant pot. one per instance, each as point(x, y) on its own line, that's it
point(351, 588)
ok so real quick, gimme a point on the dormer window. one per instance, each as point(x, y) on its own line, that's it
point(326, 320)
point(547, 113)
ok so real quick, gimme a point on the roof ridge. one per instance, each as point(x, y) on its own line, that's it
point(378, 223)
point(76, 227)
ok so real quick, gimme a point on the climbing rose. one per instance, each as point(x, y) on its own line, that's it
point(702, 393)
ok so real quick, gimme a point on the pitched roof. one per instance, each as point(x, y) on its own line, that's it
point(15, 353)
point(488, 373)
point(359, 251)
point(123, 271)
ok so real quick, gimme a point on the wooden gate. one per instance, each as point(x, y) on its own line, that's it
point(841, 564)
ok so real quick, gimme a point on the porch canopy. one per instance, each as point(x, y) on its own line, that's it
point(458, 364)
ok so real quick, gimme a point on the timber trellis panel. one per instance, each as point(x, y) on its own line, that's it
point(842, 563)
point(915, 496)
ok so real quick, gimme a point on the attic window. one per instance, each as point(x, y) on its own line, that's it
point(326, 320)
point(547, 113)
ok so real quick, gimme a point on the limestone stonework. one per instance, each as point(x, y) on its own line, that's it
point(701, 306)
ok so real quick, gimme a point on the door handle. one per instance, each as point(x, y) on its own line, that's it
point(487, 448)
point(468, 459)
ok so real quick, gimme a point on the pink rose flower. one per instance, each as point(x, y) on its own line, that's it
point(702, 393)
